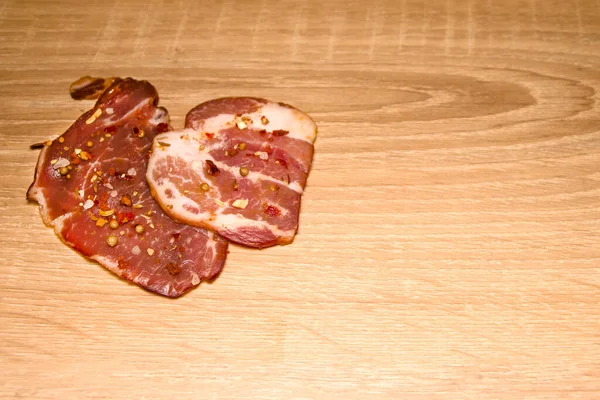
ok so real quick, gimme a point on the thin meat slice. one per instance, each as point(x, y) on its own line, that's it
point(91, 187)
point(238, 169)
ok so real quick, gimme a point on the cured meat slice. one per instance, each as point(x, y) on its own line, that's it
point(239, 169)
point(91, 187)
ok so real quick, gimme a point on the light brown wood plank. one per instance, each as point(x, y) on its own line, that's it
point(449, 244)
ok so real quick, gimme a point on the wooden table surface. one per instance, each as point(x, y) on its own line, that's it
point(449, 245)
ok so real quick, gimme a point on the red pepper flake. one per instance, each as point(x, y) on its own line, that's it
point(110, 129)
point(176, 235)
point(111, 171)
point(173, 268)
point(162, 127)
point(181, 249)
point(126, 200)
point(211, 168)
point(124, 217)
point(122, 263)
point(210, 135)
point(280, 132)
point(84, 155)
point(103, 201)
point(272, 211)
point(262, 131)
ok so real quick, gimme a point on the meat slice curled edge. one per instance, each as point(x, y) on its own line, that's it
point(238, 168)
point(91, 188)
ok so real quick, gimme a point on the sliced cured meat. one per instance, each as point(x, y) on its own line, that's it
point(239, 169)
point(91, 187)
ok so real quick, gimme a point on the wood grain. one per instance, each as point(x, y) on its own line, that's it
point(449, 245)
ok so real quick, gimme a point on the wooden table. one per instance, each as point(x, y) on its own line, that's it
point(449, 245)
